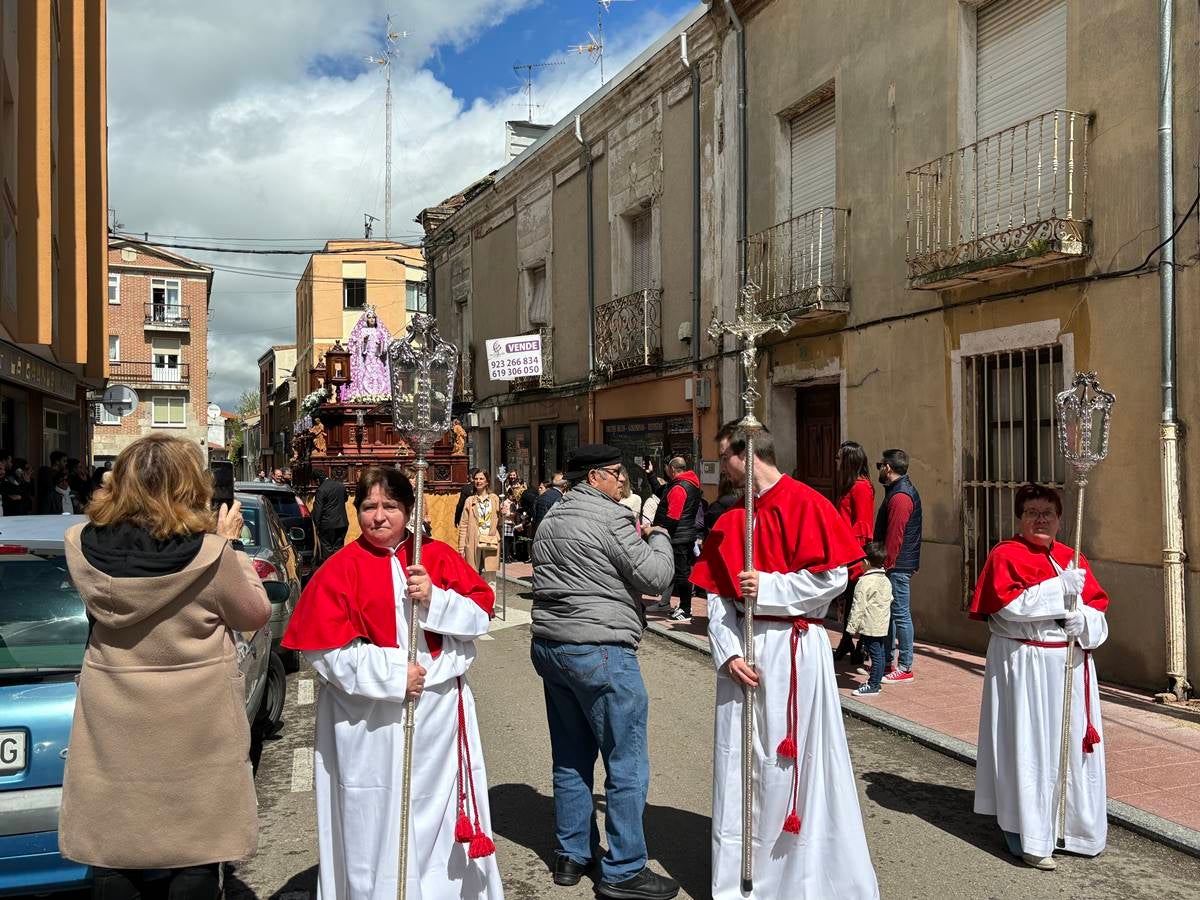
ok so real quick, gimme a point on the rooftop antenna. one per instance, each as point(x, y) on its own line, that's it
point(595, 42)
point(114, 224)
point(368, 223)
point(385, 61)
point(528, 79)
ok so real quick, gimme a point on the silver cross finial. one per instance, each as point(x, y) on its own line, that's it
point(748, 327)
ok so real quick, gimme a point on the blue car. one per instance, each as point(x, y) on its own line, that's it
point(43, 634)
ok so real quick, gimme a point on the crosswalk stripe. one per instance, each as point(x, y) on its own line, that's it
point(302, 770)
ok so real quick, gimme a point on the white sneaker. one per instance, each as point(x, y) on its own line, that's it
point(1045, 863)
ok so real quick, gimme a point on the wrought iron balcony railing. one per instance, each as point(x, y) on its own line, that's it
point(464, 384)
point(1016, 199)
point(161, 315)
point(149, 373)
point(546, 379)
point(800, 265)
point(629, 332)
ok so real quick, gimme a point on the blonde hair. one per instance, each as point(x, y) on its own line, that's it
point(159, 483)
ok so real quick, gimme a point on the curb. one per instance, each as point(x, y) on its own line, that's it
point(1148, 825)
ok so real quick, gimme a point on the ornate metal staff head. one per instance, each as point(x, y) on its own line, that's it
point(1084, 410)
point(422, 370)
point(749, 326)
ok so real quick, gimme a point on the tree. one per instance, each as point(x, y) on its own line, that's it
point(248, 404)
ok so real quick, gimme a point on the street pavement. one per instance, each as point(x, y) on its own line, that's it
point(925, 840)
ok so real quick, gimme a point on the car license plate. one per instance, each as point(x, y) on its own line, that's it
point(12, 752)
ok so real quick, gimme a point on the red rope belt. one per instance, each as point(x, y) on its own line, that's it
point(787, 748)
point(466, 831)
point(1091, 737)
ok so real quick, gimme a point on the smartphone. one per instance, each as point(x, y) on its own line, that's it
point(222, 472)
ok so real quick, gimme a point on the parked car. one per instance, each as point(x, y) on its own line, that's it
point(43, 634)
point(271, 546)
point(292, 511)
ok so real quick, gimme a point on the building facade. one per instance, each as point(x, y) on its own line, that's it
point(338, 285)
point(277, 404)
point(53, 223)
point(953, 203)
point(157, 304)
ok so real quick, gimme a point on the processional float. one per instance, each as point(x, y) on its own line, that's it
point(1084, 410)
point(422, 380)
point(748, 326)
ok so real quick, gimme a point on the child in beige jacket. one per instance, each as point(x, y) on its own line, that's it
point(870, 613)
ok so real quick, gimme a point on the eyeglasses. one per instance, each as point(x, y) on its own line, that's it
point(879, 466)
point(1039, 515)
point(613, 471)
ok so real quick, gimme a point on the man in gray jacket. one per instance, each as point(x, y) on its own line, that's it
point(591, 568)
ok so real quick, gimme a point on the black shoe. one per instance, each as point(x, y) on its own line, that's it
point(567, 872)
point(645, 885)
point(842, 649)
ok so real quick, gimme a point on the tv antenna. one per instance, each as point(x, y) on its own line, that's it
point(368, 223)
point(594, 47)
point(384, 60)
point(527, 78)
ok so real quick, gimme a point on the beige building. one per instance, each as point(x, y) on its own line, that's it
point(53, 202)
point(157, 304)
point(946, 197)
point(277, 404)
point(337, 286)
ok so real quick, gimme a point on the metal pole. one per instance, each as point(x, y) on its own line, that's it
point(410, 703)
point(1064, 755)
point(747, 690)
point(1174, 575)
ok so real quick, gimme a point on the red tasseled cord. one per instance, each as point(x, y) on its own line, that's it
point(1091, 737)
point(480, 844)
point(787, 748)
point(463, 832)
point(791, 824)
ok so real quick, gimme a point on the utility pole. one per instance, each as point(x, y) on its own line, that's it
point(385, 60)
point(528, 80)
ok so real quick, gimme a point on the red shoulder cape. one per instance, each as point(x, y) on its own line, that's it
point(795, 528)
point(1015, 565)
point(351, 596)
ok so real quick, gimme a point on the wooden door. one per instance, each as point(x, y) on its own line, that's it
point(818, 435)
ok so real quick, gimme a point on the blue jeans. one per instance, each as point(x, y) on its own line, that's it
point(900, 627)
point(874, 649)
point(596, 703)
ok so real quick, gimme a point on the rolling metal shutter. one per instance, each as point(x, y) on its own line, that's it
point(813, 159)
point(1020, 62)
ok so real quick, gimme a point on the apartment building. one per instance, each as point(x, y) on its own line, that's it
point(157, 306)
point(277, 404)
point(952, 202)
point(337, 286)
point(53, 201)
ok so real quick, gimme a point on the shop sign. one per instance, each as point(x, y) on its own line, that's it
point(514, 357)
point(26, 369)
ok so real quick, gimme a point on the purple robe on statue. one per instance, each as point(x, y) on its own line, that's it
point(368, 361)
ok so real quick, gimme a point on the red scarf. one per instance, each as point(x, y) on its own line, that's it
point(1016, 565)
point(795, 528)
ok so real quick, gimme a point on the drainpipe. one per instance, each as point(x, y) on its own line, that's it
point(591, 280)
point(1174, 573)
point(743, 163)
point(694, 68)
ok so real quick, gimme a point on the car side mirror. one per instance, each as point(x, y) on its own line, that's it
point(296, 535)
point(277, 591)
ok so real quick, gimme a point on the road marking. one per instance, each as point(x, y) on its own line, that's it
point(302, 770)
point(304, 692)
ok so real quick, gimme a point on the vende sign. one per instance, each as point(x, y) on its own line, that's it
point(514, 357)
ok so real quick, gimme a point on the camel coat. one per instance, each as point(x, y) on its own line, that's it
point(483, 558)
point(158, 775)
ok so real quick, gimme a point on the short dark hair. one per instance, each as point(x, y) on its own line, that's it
point(395, 485)
point(764, 444)
point(1027, 492)
point(876, 554)
point(897, 461)
point(319, 473)
point(56, 457)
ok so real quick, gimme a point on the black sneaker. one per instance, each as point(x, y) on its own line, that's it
point(678, 615)
point(567, 872)
point(645, 885)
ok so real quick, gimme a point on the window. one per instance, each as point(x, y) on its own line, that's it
point(517, 450)
point(114, 348)
point(104, 417)
point(415, 299)
point(166, 368)
point(168, 412)
point(812, 191)
point(354, 285)
point(555, 444)
point(114, 288)
point(1008, 440)
point(164, 299)
point(537, 303)
point(640, 256)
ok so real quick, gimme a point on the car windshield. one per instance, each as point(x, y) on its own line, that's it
point(42, 620)
point(252, 526)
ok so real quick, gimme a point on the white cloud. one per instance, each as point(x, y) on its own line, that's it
point(221, 124)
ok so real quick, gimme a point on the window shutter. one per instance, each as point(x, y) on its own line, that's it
point(640, 261)
point(1020, 62)
point(813, 159)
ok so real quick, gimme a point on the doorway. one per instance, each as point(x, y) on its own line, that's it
point(818, 435)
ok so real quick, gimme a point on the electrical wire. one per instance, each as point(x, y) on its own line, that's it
point(252, 251)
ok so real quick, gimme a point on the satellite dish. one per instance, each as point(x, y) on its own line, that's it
point(120, 400)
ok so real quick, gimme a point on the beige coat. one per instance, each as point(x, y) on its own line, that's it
point(481, 557)
point(158, 774)
point(872, 608)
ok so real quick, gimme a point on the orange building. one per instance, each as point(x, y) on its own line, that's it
point(53, 209)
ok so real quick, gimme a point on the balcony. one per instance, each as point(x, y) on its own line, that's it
point(1012, 201)
point(164, 317)
point(800, 265)
point(629, 333)
point(546, 379)
point(149, 374)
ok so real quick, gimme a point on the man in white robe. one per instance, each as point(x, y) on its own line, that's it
point(809, 842)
